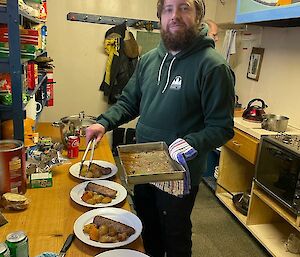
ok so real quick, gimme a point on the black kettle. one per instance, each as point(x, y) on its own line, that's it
point(254, 113)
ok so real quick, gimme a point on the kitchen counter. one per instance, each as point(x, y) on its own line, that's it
point(51, 214)
point(254, 129)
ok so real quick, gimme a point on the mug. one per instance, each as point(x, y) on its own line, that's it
point(33, 107)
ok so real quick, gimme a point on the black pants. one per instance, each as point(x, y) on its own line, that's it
point(167, 227)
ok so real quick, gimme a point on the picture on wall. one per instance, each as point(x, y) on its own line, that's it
point(255, 63)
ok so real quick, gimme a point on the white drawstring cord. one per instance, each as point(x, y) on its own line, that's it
point(169, 72)
point(160, 68)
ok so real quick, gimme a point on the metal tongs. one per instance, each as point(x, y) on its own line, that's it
point(93, 142)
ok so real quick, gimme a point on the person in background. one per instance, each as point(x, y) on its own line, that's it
point(212, 29)
point(183, 93)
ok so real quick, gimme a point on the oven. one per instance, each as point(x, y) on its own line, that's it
point(277, 169)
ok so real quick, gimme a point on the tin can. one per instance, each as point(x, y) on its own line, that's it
point(73, 146)
point(4, 251)
point(12, 167)
point(17, 243)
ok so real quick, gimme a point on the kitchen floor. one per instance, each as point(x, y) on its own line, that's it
point(216, 232)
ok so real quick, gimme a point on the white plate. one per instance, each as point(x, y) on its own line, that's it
point(74, 169)
point(121, 253)
point(77, 192)
point(116, 214)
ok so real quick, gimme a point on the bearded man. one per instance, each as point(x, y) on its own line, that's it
point(183, 93)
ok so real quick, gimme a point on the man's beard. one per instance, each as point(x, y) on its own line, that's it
point(179, 40)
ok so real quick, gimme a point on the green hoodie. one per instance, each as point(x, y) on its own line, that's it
point(189, 95)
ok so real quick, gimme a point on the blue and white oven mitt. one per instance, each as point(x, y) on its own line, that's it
point(180, 151)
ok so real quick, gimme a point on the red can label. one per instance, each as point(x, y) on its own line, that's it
point(73, 146)
point(12, 167)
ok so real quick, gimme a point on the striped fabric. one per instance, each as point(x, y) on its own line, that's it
point(181, 152)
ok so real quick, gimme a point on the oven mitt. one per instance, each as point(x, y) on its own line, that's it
point(180, 151)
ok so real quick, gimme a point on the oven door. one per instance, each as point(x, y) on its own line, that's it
point(277, 171)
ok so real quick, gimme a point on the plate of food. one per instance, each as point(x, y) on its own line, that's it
point(98, 193)
point(98, 170)
point(108, 227)
point(121, 252)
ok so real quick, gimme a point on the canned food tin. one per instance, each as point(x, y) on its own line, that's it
point(73, 146)
point(17, 243)
point(4, 251)
point(12, 167)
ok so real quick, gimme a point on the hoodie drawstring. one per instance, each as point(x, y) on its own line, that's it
point(160, 68)
point(169, 73)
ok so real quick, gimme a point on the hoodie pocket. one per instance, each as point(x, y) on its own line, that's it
point(146, 134)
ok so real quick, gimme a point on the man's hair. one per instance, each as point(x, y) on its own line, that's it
point(199, 4)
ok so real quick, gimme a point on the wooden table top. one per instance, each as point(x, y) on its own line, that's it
point(51, 214)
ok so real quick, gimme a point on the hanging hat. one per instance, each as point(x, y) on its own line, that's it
point(131, 48)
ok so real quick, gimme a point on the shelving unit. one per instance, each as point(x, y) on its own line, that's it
point(13, 17)
point(267, 219)
point(10, 16)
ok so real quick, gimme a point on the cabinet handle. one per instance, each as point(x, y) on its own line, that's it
point(236, 143)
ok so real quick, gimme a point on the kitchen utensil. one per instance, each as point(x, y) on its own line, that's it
point(84, 155)
point(240, 200)
point(75, 125)
point(66, 245)
point(274, 122)
point(92, 153)
point(254, 113)
point(63, 250)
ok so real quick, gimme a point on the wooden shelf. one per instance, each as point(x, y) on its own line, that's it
point(226, 199)
point(278, 208)
point(273, 236)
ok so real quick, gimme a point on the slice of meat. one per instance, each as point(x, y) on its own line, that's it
point(102, 190)
point(104, 170)
point(118, 226)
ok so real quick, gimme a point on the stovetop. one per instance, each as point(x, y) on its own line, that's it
point(291, 142)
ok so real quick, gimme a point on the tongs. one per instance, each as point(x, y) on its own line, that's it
point(93, 142)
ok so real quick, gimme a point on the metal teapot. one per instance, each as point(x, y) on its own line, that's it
point(254, 113)
point(75, 125)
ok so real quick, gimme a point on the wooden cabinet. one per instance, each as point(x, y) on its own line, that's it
point(225, 11)
point(269, 221)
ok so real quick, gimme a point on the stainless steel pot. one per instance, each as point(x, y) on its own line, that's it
point(274, 122)
point(75, 125)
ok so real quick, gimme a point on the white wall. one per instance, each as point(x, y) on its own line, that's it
point(279, 81)
point(77, 50)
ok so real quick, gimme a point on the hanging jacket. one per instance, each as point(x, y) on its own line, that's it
point(119, 67)
point(189, 95)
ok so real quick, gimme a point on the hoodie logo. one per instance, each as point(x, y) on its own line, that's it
point(176, 83)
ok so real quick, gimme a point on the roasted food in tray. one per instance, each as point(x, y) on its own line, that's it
point(95, 194)
point(148, 162)
point(95, 171)
point(106, 230)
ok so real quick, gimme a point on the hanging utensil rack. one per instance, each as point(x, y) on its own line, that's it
point(111, 20)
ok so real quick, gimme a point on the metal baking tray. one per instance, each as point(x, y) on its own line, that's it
point(148, 162)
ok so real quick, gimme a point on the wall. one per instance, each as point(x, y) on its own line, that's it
point(279, 81)
point(77, 50)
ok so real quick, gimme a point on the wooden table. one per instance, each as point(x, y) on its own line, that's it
point(51, 214)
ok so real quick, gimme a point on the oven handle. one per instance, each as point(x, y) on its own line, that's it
point(280, 154)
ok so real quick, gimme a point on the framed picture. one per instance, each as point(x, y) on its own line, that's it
point(255, 63)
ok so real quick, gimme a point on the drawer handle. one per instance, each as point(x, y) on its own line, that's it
point(236, 144)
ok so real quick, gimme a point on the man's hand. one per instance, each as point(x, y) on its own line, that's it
point(94, 131)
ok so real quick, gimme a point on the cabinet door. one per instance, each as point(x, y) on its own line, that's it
point(225, 12)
